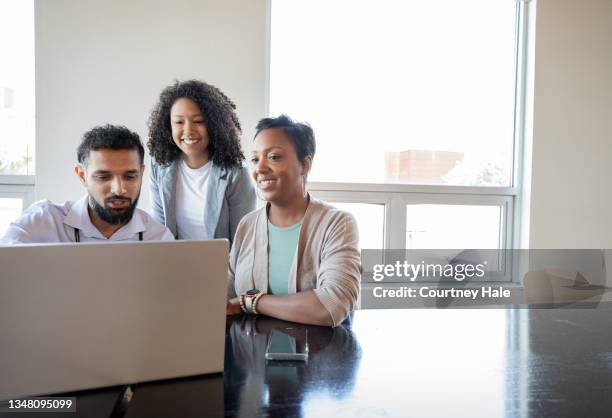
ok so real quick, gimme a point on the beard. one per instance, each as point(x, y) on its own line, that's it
point(114, 216)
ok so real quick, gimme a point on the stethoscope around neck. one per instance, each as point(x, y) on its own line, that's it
point(77, 235)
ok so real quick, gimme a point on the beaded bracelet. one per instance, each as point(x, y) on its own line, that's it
point(254, 304)
point(242, 305)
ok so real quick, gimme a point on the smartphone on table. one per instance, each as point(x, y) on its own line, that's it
point(289, 344)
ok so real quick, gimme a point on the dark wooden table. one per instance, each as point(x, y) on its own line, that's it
point(403, 363)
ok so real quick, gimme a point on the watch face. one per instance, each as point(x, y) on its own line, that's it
point(252, 292)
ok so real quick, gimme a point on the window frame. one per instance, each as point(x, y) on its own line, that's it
point(18, 186)
point(395, 202)
point(14, 186)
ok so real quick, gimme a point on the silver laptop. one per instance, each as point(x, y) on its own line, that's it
point(82, 316)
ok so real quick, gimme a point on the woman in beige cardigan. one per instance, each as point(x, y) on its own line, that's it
point(296, 259)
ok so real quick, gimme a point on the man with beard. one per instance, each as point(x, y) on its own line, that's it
point(111, 168)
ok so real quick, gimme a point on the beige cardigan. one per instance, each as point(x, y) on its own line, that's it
point(327, 260)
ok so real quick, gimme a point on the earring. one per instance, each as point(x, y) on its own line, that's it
point(304, 185)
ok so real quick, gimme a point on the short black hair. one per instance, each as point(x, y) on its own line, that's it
point(113, 137)
point(220, 118)
point(300, 134)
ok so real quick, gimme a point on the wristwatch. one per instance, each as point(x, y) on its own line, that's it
point(249, 300)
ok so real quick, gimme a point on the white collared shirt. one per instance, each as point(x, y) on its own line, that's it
point(45, 221)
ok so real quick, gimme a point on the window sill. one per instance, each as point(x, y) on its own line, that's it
point(17, 179)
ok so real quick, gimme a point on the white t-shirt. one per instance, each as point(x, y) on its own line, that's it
point(190, 200)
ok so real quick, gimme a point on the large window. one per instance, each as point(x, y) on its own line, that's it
point(416, 111)
point(17, 87)
point(17, 107)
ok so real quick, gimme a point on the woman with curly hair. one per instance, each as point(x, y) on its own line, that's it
point(200, 188)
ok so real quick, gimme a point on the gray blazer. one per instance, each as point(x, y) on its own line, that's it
point(230, 195)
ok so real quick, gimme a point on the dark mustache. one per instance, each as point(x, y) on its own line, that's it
point(115, 198)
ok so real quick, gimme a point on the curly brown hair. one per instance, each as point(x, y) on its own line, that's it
point(220, 118)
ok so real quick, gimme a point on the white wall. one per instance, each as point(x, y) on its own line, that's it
point(106, 62)
point(571, 185)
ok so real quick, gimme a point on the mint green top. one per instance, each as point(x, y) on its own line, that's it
point(281, 251)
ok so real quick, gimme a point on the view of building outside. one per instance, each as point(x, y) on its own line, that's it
point(413, 92)
point(17, 106)
point(420, 167)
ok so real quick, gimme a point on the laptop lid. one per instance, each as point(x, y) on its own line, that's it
point(82, 316)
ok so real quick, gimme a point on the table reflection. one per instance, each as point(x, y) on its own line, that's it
point(408, 363)
point(253, 383)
